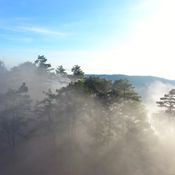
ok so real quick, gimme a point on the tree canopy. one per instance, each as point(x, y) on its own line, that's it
point(76, 70)
point(41, 63)
point(74, 129)
point(61, 70)
point(168, 102)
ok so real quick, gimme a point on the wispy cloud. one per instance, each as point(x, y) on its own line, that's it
point(31, 29)
point(42, 31)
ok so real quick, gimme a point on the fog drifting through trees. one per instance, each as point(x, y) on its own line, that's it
point(55, 123)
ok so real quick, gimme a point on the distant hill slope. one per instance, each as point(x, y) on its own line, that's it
point(137, 81)
point(141, 83)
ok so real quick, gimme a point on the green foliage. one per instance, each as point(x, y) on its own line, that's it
point(124, 89)
point(14, 110)
point(76, 70)
point(96, 98)
point(168, 102)
point(61, 71)
point(110, 92)
point(42, 64)
point(79, 128)
point(98, 86)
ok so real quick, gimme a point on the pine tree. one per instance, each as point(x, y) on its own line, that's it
point(168, 102)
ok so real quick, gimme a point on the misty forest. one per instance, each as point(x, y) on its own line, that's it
point(58, 123)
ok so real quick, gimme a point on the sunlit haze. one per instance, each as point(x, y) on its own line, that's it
point(134, 37)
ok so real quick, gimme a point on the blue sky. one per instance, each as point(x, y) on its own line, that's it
point(60, 24)
point(103, 36)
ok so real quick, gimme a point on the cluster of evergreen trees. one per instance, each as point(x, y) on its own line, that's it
point(87, 126)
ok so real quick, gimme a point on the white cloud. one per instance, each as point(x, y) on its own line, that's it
point(41, 30)
point(34, 30)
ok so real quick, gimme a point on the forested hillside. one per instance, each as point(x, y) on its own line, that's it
point(141, 83)
point(53, 122)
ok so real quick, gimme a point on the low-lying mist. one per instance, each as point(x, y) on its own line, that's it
point(57, 123)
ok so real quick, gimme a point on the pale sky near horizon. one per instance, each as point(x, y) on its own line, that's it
point(134, 37)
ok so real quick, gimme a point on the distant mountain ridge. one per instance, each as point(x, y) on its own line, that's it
point(137, 80)
point(141, 83)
